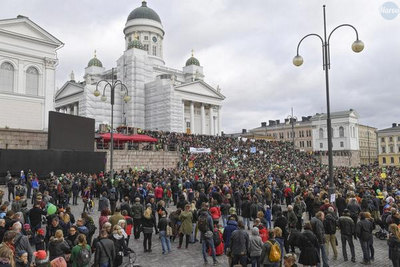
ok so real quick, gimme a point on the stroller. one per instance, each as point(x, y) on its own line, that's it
point(382, 234)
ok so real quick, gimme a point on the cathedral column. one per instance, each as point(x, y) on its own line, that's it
point(203, 119)
point(219, 120)
point(211, 120)
point(76, 109)
point(183, 117)
point(192, 117)
point(68, 109)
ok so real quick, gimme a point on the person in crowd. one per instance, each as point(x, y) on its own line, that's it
point(58, 262)
point(205, 223)
point(105, 255)
point(186, 228)
point(58, 247)
point(129, 225)
point(104, 203)
point(104, 216)
point(21, 259)
point(364, 233)
point(163, 224)
point(318, 230)
point(246, 212)
point(347, 231)
point(330, 224)
point(137, 211)
point(21, 241)
point(289, 260)
point(255, 247)
point(72, 236)
point(81, 258)
point(116, 216)
point(309, 247)
point(41, 259)
point(265, 258)
point(394, 244)
point(118, 237)
point(148, 223)
point(239, 245)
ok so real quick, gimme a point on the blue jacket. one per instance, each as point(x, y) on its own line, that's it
point(268, 215)
point(229, 228)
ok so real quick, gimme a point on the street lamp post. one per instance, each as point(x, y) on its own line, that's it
point(357, 47)
point(126, 98)
point(292, 119)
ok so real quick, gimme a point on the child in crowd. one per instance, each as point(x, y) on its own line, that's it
point(22, 259)
point(28, 232)
point(39, 240)
point(268, 217)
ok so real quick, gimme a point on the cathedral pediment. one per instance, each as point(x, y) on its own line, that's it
point(199, 88)
point(24, 28)
point(69, 89)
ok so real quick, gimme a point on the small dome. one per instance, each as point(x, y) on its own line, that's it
point(192, 61)
point(135, 44)
point(144, 12)
point(95, 61)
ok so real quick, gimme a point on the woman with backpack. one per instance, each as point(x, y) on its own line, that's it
point(81, 253)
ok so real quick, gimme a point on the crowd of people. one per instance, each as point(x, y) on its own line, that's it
point(254, 201)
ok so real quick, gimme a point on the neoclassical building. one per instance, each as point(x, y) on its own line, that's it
point(28, 63)
point(162, 98)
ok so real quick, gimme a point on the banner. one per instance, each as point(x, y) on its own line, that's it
point(253, 149)
point(199, 150)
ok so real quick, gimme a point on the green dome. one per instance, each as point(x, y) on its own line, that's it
point(192, 61)
point(135, 44)
point(144, 12)
point(95, 62)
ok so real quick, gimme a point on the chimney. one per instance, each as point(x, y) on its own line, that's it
point(286, 120)
point(277, 122)
point(303, 119)
point(271, 122)
point(244, 131)
point(394, 124)
point(263, 124)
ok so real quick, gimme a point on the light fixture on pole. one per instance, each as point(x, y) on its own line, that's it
point(112, 85)
point(292, 119)
point(357, 47)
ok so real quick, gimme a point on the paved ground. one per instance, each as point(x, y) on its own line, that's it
point(193, 255)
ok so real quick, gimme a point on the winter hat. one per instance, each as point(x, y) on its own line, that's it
point(40, 254)
point(20, 253)
point(40, 231)
point(255, 231)
point(232, 210)
point(58, 262)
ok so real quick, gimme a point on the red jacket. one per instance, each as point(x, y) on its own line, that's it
point(263, 233)
point(215, 212)
point(158, 193)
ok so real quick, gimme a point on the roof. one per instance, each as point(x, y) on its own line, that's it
point(95, 62)
point(390, 130)
point(144, 12)
point(335, 115)
point(283, 124)
point(192, 61)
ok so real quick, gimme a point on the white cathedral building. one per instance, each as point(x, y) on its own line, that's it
point(162, 98)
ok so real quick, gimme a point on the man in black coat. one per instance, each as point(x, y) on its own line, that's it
point(364, 233)
point(246, 212)
point(347, 231)
point(282, 223)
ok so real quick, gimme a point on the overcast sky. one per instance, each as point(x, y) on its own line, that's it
point(245, 47)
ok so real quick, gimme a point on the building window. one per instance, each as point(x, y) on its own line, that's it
point(391, 149)
point(341, 131)
point(341, 144)
point(382, 139)
point(188, 124)
point(390, 139)
point(392, 160)
point(384, 160)
point(398, 138)
point(6, 77)
point(383, 149)
point(32, 81)
point(321, 133)
point(321, 145)
point(398, 148)
point(146, 38)
point(146, 47)
point(154, 50)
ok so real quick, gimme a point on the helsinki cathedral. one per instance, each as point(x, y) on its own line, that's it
point(160, 97)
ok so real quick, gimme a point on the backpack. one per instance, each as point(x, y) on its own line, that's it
point(91, 227)
point(113, 196)
point(203, 223)
point(275, 252)
point(84, 257)
point(216, 237)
